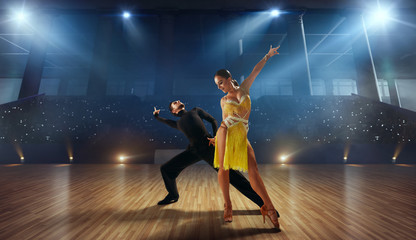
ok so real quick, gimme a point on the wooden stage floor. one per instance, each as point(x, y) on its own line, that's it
point(119, 202)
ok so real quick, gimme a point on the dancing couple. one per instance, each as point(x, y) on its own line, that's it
point(229, 151)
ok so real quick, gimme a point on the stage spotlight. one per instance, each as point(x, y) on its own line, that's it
point(21, 16)
point(121, 158)
point(346, 151)
point(19, 151)
point(275, 13)
point(126, 14)
point(283, 158)
point(70, 150)
point(397, 151)
point(381, 15)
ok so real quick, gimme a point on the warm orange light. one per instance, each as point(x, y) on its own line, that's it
point(19, 151)
point(12, 165)
point(69, 149)
point(346, 151)
point(397, 151)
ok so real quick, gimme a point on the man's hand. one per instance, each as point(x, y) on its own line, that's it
point(211, 141)
point(156, 111)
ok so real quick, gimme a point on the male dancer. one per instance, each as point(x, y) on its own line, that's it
point(192, 125)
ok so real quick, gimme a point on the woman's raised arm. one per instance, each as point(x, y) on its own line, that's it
point(246, 84)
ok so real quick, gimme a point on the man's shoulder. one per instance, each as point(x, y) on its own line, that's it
point(197, 109)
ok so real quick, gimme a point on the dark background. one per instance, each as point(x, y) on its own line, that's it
point(100, 76)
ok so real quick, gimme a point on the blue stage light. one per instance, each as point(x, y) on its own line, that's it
point(275, 13)
point(21, 16)
point(126, 14)
point(381, 15)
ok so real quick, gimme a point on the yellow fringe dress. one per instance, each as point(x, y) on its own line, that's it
point(235, 155)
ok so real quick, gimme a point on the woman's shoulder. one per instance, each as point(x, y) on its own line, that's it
point(243, 91)
point(223, 100)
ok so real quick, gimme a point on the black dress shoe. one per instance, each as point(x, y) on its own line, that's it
point(168, 200)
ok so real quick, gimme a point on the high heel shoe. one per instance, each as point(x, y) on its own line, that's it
point(228, 213)
point(272, 214)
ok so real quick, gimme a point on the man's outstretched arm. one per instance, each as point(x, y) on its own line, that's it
point(209, 118)
point(168, 122)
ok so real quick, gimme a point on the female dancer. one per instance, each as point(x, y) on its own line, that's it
point(232, 149)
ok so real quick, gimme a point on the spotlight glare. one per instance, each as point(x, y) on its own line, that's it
point(283, 158)
point(126, 14)
point(21, 16)
point(397, 151)
point(381, 15)
point(275, 13)
point(22, 158)
point(121, 158)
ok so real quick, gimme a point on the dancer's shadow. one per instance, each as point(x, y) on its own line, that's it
point(194, 222)
point(154, 212)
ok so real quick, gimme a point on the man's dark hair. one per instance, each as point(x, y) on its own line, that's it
point(171, 108)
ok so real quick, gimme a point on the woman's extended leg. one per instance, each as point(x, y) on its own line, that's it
point(258, 186)
point(223, 175)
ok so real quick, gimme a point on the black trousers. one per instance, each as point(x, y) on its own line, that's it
point(171, 170)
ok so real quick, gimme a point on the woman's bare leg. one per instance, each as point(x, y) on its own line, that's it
point(258, 186)
point(223, 175)
point(255, 179)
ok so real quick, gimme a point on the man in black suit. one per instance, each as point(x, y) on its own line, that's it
point(191, 124)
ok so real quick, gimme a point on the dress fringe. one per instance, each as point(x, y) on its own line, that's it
point(235, 156)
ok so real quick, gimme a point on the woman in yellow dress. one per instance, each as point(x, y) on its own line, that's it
point(232, 149)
